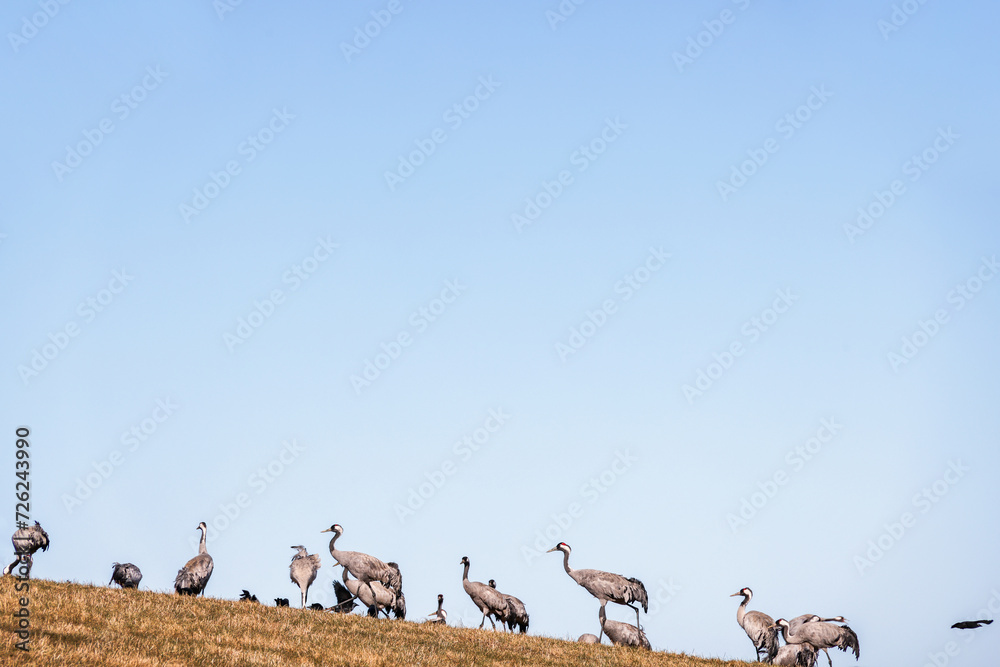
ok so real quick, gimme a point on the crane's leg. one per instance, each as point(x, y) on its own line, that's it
point(828, 657)
point(374, 606)
point(600, 635)
point(636, 609)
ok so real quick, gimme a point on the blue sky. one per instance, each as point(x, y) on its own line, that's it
point(647, 259)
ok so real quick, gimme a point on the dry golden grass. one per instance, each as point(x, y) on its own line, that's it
point(79, 625)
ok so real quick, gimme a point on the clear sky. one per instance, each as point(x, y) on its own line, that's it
point(707, 290)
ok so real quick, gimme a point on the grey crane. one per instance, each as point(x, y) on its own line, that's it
point(440, 616)
point(374, 596)
point(125, 575)
point(516, 615)
point(758, 626)
point(587, 638)
point(193, 577)
point(971, 625)
point(606, 586)
point(486, 599)
point(26, 542)
point(302, 570)
point(623, 634)
point(280, 602)
point(796, 623)
point(821, 636)
point(366, 568)
point(797, 655)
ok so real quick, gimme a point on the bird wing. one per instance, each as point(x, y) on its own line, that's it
point(195, 572)
point(761, 631)
point(614, 587)
point(131, 575)
point(29, 540)
point(484, 596)
point(825, 635)
point(362, 566)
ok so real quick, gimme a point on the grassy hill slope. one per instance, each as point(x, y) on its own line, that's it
point(73, 624)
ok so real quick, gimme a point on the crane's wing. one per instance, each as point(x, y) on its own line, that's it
point(613, 587)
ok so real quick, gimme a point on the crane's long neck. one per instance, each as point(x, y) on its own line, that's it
point(440, 604)
point(202, 549)
point(741, 611)
point(465, 573)
point(333, 548)
point(345, 575)
point(566, 566)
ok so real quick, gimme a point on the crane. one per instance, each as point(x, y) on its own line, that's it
point(606, 586)
point(623, 634)
point(366, 568)
point(302, 570)
point(821, 636)
point(125, 575)
point(516, 614)
point(193, 577)
point(758, 626)
point(440, 616)
point(486, 599)
point(27, 541)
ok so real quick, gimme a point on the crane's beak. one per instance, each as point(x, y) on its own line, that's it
point(555, 548)
point(735, 595)
point(326, 530)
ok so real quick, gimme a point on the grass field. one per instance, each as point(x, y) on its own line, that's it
point(78, 625)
